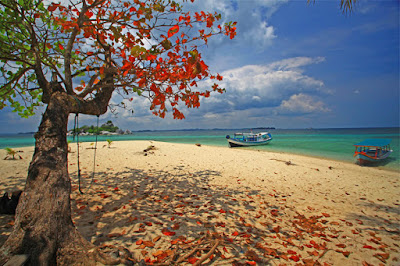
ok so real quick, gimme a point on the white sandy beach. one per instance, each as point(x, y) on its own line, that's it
point(259, 207)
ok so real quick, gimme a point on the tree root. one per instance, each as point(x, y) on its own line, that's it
point(209, 254)
point(82, 252)
point(183, 253)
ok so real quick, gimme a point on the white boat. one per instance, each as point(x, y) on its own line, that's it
point(249, 139)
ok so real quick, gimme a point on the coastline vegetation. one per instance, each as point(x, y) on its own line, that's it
point(106, 127)
point(11, 153)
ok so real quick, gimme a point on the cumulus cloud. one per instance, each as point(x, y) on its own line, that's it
point(300, 104)
point(258, 86)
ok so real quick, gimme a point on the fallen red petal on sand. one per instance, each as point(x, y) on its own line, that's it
point(274, 212)
point(192, 260)
point(295, 258)
point(167, 232)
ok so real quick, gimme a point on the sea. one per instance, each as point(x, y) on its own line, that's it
point(333, 144)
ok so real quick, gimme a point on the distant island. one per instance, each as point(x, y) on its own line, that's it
point(107, 128)
point(259, 128)
point(205, 129)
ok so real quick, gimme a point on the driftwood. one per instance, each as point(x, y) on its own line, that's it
point(17, 260)
point(286, 162)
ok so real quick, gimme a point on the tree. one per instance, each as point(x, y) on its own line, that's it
point(11, 152)
point(72, 57)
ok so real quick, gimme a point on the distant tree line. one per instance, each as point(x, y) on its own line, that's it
point(108, 126)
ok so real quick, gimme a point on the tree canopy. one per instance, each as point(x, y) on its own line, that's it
point(92, 48)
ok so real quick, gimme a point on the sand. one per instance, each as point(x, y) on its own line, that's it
point(232, 204)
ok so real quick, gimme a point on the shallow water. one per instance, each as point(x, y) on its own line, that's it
point(336, 144)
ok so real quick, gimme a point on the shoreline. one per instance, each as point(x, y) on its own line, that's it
point(383, 168)
point(308, 209)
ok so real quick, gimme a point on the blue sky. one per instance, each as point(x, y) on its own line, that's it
point(291, 65)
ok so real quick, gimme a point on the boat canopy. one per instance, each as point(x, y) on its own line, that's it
point(374, 143)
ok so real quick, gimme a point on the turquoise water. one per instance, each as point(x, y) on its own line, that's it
point(334, 144)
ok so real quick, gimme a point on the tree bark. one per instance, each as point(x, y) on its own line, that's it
point(43, 226)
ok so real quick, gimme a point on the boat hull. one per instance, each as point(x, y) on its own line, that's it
point(366, 160)
point(237, 143)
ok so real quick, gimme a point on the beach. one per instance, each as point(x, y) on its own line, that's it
point(233, 204)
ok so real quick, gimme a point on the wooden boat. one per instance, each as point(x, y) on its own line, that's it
point(372, 150)
point(249, 139)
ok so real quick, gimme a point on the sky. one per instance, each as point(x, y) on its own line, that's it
point(291, 65)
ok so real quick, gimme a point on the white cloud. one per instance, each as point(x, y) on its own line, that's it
point(262, 34)
point(253, 28)
point(211, 116)
point(295, 63)
point(301, 104)
point(257, 86)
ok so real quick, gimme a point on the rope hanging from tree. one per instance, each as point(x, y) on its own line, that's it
point(76, 133)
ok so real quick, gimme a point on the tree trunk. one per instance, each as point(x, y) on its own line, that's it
point(43, 224)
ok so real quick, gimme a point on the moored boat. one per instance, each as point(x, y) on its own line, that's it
point(249, 139)
point(372, 150)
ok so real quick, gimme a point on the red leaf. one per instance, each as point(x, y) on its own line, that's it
point(235, 233)
point(167, 232)
point(175, 226)
point(192, 260)
point(369, 247)
point(291, 252)
point(326, 214)
point(382, 256)
point(148, 244)
point(276, 229)
point(341, 245)
point(222, 211)
point(52, 7)
point(309, 262)
point(251, 262)
point(60, 46)
point(346, 253)
point(295, 258)
point(172, 31)
point(314, 253)
point(274, 212)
